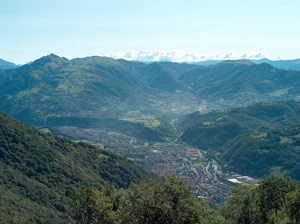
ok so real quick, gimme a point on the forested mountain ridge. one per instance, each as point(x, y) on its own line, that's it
point(255, 140)
point(6, 64)
point(242, 81)
point(54, 86)
point(283, 64)
point(39, 171)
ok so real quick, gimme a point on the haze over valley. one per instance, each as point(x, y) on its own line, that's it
point(166, 116)
point(149, 112)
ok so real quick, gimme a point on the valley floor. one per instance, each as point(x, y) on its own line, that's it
point(191, 164)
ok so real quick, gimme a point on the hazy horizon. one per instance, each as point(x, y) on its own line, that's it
point(194, 30)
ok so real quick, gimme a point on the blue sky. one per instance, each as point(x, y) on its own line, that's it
point(33, 28)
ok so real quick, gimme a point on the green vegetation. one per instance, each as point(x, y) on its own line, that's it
point(52, 87)
point(251, 140)
point(274, 201)
point(277, 152)
point(169, 202)
point(242, 81)
point(39, 171)
point(130, 127)
point(153, 124)
point(197, 164)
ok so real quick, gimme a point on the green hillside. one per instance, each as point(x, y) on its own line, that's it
point(242, 82)
point(39, 171)
point(6, 65)
point(255, 140)
point(130, 127)
point(160, 77)
point(283, 64)
point(276, 152)
point(54, 86)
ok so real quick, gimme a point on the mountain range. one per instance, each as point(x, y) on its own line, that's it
point(54, 86)
point(121, 96)
point(242, 81)
point(247, 119)
point(283, 64)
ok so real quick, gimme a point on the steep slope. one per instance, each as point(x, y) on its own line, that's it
point(257, 117)
point(38, 172)
point(6, 65)
point(54, 86)
point(276, 151)
point(159, 77)
point(284, 64)
point(177, 69)
point(250, 140)
point(242, 82)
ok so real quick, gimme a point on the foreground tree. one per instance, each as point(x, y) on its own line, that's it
point(294, 205)
point(91, 206)
point(274, 201)
point(242, 205)
point(171, 201)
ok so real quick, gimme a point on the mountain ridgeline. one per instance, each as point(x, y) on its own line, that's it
point(283, 64)
point(256, 140)
point(39, 171)
point(6, 64)
point(146, 101)
point(53, 86)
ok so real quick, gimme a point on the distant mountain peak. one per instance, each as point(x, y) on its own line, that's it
point(53, 57)
point(264, 65)
point(104, 61)
point(6, 64)
point(48, 59)
point(238, 62)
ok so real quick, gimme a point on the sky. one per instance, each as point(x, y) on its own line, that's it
point(154, 29)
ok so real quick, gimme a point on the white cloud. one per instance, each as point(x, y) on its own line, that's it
point(186, 56)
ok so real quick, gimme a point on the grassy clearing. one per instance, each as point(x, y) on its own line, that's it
point(280, 92)
point(286, 140)
point(153, 124)
point(262, 135)
point(197, 164)
point(208, 123)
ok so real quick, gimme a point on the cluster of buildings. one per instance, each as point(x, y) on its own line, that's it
point(193, 165)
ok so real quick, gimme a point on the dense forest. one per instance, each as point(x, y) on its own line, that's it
point(276, 200)
point(53, 87)
point(39, 171)
point(257, 140)
point(47, 179)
